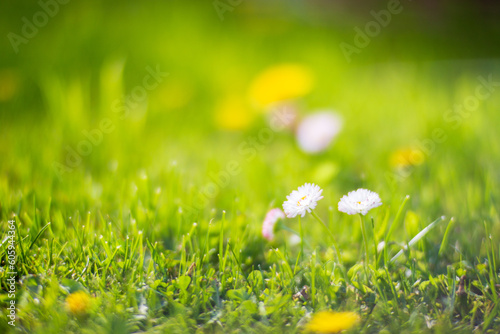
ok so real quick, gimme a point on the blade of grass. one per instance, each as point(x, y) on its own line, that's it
point(20, 242)
point(444, 242)
point(38, 236)
point(419, 236)
point(394, 223)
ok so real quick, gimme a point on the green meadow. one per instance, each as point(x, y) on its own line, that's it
point(139, 157)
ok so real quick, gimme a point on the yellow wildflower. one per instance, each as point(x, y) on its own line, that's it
point(332, 322)
point(232, 114)
point(78, 302)
point(406, 157)
point(280, 83)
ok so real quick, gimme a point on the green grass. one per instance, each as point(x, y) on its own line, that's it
point(128, 224)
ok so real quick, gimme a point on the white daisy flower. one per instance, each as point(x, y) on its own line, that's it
point(359, 201)
point(316, 132)
point(302, 200)
point(270, 221)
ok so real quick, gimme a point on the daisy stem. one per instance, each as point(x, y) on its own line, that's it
point(301, 240)
point(365, 240)
point(331, 235)
point(335, 248)
point(375, 243)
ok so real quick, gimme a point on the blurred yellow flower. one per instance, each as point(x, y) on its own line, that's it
point(78, 302)
point(231, 113)
point(406, 157)
point(332, 322)
point(9, 84)
point(280, 83)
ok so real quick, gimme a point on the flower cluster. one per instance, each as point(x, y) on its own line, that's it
point(306, 197)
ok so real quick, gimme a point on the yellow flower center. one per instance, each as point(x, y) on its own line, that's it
point(303, 198)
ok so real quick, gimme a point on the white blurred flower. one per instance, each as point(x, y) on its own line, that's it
point(294, 240)
point(143, 310)
point(315, 132)
point(302, 200)
point(359, 201)
point(270, 221)
point(380, 246)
